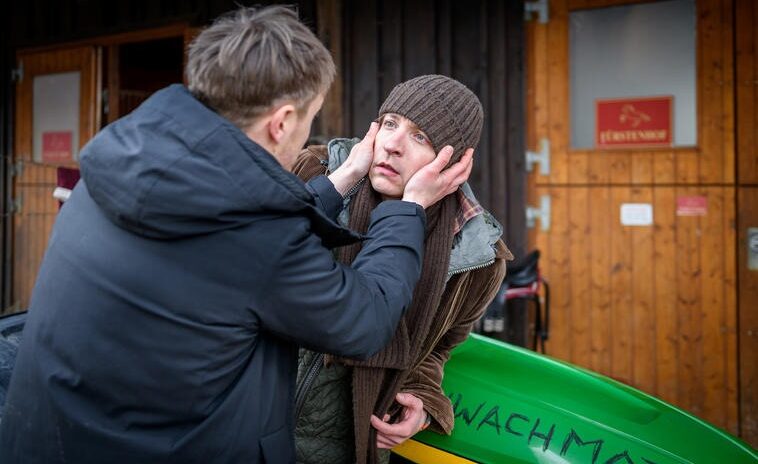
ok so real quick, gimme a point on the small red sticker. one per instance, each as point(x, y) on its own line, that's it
point(691, 206)
point(56, 147)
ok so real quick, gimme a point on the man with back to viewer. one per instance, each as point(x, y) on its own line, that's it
point(189, 263)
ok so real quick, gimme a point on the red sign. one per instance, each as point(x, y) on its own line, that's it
point(56, 147)
point(633, 122)
point(691, 206)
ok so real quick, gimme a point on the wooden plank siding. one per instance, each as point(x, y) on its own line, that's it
point(712, 162)
point(746, 51)
point(646, 305)
point(480, 43)
point(654, 307)
point(748, 320)
point(34, 184)
point(747, 91)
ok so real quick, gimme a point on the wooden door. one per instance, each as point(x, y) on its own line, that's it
point(35, 162)
point(653, 306)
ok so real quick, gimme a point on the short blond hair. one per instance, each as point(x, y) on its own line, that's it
point(252, 58)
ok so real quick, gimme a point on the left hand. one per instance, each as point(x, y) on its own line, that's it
point(390, 435)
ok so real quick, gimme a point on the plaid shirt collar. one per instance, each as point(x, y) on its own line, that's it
point(468, 210)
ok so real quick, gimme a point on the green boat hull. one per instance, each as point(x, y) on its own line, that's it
point(515, 406)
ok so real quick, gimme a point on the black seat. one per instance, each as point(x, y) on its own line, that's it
point(522, 281)
point(523, 272)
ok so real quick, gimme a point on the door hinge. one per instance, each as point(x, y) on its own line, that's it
point(542, 157)
point(17, 74)
point(752, 248)
point(16, 168)
point(14, 204)
point(106, 102)
point(541, 7)
point(542, 213)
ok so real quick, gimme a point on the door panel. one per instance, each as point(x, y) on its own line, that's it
point(651, 306)
point(34, 181)
point(712, 161)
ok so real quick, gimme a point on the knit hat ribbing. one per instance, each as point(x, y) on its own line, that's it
point(446, 110)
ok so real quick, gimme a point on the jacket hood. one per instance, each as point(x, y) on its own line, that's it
point(174, 168)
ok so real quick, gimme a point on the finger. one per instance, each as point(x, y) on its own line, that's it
point(404, 429)
point(460, 171)
point(371, 134)
point(380, 426)
point(391, 442)
point(384, 443)
point(386, 417)
point(401, 429)
point(457, 168)
point(470, 157)
point(463, 177)
point(443, 157)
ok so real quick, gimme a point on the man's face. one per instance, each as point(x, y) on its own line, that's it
point(400, 149)
point(294, 144)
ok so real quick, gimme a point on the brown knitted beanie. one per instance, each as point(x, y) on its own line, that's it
point(446, 110)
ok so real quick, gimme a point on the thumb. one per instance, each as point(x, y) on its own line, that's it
point(408, 400)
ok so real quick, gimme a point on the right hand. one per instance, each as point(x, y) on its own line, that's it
point(362, 153)
point(356, 165)
point(431, 183)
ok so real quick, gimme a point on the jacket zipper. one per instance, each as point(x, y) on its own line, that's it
point(354, 188)
point(310, 375)
point(470, 268)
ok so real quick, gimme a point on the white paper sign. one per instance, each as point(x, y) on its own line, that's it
point(636, 214)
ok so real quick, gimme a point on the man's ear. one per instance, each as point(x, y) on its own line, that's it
point(283, 120)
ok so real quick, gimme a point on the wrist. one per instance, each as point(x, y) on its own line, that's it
point(344, 178)
point(413, 199)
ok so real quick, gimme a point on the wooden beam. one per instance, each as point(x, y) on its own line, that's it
point(329, 28)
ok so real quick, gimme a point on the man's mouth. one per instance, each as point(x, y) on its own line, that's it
point(386, 168)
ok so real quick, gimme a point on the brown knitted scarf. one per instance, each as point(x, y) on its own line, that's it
point(380, 377)
point(377, 379)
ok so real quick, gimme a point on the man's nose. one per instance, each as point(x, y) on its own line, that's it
point(393, 144)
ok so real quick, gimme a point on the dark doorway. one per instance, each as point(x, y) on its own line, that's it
point(133, 71)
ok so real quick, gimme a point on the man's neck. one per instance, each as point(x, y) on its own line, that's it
point(258, 134)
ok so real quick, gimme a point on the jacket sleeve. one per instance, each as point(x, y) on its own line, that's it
point(311, 299)
point(326, 197)
point(473, 296)
point(311, 167)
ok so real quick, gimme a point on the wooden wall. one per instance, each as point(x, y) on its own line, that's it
point(34, 207)
point(47, 22)
point(747, 210)
point(654, 307)
point(480, 43)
